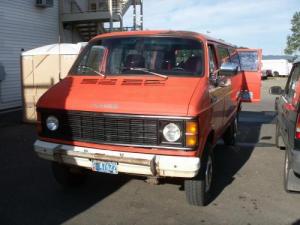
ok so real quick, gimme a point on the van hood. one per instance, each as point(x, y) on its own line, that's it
point(145, 95)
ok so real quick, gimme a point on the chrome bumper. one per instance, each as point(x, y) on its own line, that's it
point(132, 163)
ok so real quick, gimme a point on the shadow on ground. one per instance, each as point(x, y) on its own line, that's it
point(29, 194)
point(230, 159)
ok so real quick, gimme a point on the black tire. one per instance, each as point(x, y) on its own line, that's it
point(230, 135)
point(68, 176)
point(198, 190)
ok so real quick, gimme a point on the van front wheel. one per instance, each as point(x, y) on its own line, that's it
point(198, 189)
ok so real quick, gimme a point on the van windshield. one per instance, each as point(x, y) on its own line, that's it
point(141, 55)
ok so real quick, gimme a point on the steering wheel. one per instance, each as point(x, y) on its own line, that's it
point(177, 68)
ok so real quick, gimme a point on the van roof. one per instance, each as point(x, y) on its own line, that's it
point(163, 33)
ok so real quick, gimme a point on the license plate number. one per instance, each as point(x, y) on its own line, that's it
point(105, 167)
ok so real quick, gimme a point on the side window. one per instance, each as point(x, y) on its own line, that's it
point(293, 85)
point(212, 60)
point(223, 55)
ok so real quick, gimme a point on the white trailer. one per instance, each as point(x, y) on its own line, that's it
point(279, 67)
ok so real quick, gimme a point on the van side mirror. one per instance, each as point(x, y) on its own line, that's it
point(228, 69)
point(275, 90)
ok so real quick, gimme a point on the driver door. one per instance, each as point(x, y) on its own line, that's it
point(250, 60)
point(216, 92)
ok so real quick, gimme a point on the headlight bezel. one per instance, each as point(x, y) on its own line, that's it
point(164, 140)
point(182, 142)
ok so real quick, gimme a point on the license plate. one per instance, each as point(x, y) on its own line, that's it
point(105, 167)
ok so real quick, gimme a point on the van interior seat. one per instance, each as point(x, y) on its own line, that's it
point(193, 64)
point(134, 60)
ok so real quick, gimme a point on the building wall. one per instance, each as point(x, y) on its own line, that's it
point(71, 36)
point(23, 26)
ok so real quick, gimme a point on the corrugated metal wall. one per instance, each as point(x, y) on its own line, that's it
point(22, 26)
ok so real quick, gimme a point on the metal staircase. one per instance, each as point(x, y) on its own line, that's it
point(87, 17)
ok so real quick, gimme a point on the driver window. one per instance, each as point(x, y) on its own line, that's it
point(223, 55)
point(212, 60)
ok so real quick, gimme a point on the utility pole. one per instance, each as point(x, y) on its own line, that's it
point(134, 15)
point(110, 15)
point(121, 22)
point(142, 16)
point(60, 24)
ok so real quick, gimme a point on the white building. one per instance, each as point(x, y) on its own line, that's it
point(27, 24)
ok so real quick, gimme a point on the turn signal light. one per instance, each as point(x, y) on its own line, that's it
point(191, 127)
point(297, 131)
point(191, 135)
point(191, 140)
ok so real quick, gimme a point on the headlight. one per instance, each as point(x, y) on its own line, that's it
point(172, 132)
point(52, 123)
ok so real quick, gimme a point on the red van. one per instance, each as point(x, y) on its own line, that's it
point(152, 103)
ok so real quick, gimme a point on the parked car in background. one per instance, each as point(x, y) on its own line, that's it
point(266, 73)
point(288, 127)
point(269, 73)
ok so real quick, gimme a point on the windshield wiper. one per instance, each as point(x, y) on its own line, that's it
point(91, 69)
point(148, 71)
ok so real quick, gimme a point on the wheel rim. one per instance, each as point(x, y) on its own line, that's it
point(208, 174)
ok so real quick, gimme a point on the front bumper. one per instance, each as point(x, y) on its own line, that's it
point(131, 163)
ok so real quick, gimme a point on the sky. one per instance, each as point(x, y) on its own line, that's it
point(250, 23)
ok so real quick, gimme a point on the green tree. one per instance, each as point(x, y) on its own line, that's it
point(293, 40)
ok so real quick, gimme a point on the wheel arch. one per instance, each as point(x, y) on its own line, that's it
point(208, 140)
